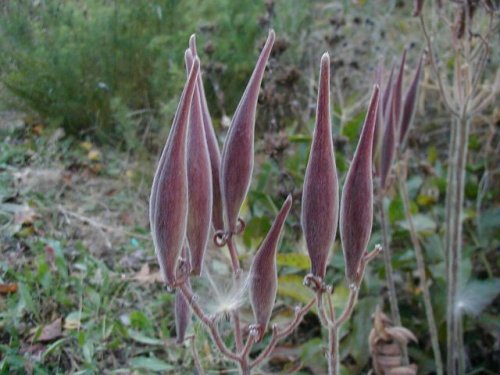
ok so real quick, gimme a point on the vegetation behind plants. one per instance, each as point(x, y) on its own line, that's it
point(81, 291)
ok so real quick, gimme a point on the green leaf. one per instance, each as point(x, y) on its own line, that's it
point(396, 210)
point(150, 363)
point(477, 295)
point(297, 260)
point(292, 286)
point(143, 339)
point(424, 224)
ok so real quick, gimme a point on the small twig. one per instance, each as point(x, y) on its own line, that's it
point(393, 298)
point(419, 255)
point(196, 357)
point(278, 335)
point(209, 323)
point(233, 252)
point(444, 94)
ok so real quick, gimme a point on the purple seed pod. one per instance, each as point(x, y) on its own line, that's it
point(213, 149)
point(398, 92)
point(168, 205)
point(409, 104)
point(379, 126)
point(388, 143)
point(263, 273)
point(237, 154)
point(417, 7)
point(386, 96)
point(356, 207)
point(199, 183)
point(320, 195)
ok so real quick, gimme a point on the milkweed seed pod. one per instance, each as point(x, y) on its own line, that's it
point(388, 141)
point(263, 272)
point(237, 154)
point(199, 183)
point(398, 92)
point(168, 205)
point(393, 116)
point(213, 149)
point(387, 94)
point(417, 7)
point(377, 133)
point(356, 207)
point(320, 195)
point(409, 104)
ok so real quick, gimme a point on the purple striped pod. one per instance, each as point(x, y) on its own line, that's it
point(356, 206)
point(213, 149)
point(409, 104)
point(168, 204)
point(320, 194)
point(199, 182)
point(237, 153)
point(264, 274)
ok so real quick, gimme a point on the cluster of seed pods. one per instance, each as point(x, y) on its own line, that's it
point(394, 119)
point(197, 191)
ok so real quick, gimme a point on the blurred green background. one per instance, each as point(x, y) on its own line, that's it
point(88, 90)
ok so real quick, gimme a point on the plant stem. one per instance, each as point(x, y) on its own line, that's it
point(235, 264)
point(280, 334)
point(455, 194)
point(393, 298)
point(334, 324)
point(209, 323)
point(196, 357)
point(419, 255)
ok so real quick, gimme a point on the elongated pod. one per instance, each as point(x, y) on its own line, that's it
point(263, 273)
point(398, 93)
point(199, 182)
point(409, 104)
point(320, 195)
point(356, 206)
point(168, 204)
point(237, 153)
point(213, 149)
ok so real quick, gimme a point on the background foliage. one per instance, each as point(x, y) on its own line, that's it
point(88, 91)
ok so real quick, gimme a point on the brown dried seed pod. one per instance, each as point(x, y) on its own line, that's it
point(213, 149)
point(168, 203)
point(263, 273)
point(237, 154)
point(385, 343)
point(320, 195)
point(199, 183)
point(356, 207)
